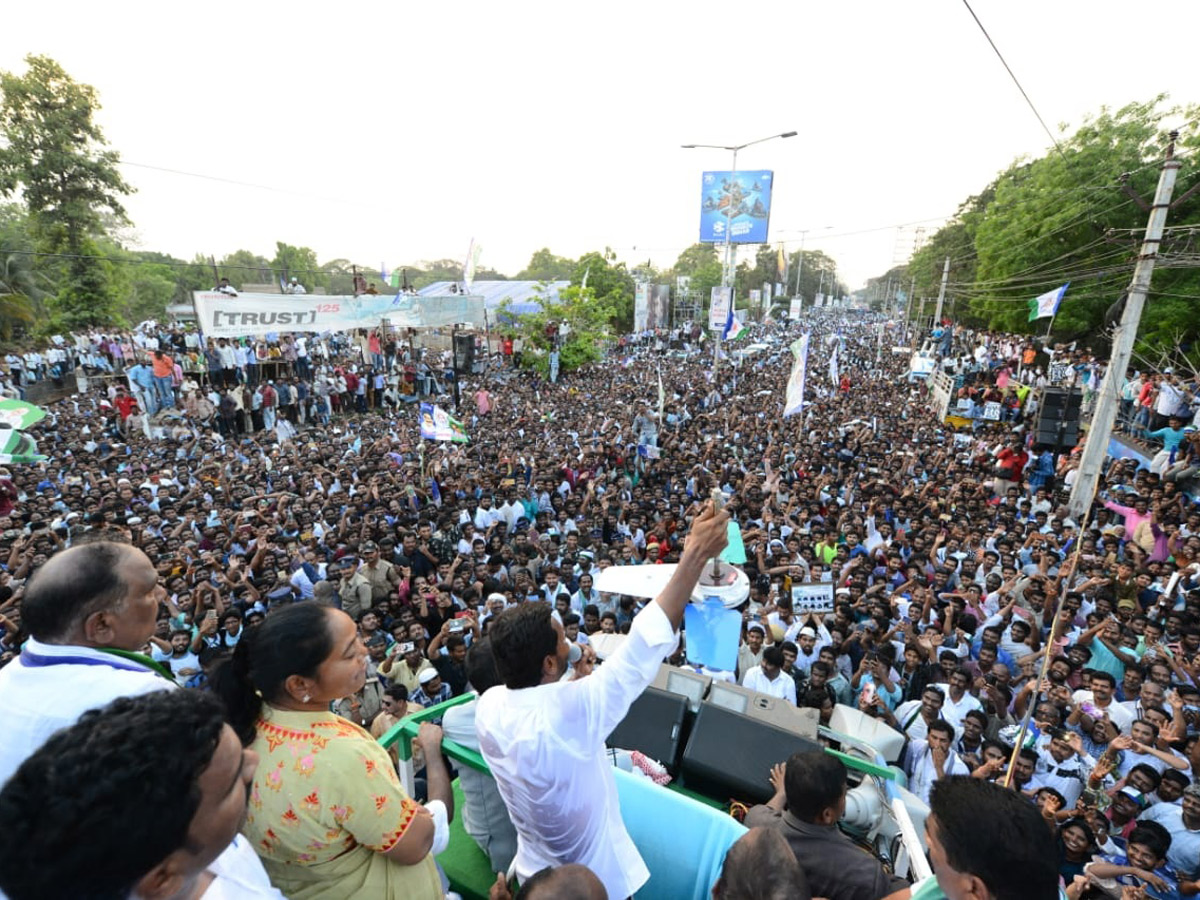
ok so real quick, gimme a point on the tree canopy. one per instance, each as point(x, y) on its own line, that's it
point(1071, 216)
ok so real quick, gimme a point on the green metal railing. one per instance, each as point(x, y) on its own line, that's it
point(403, 733)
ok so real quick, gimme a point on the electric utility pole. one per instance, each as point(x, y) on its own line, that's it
point(937, 314)
point(1105, 415)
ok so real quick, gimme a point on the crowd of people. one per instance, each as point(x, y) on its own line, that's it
point(325, 576)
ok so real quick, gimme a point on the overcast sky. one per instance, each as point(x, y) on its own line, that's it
point(398, 132)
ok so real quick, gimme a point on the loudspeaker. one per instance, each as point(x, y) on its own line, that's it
point(653, 725)
point(1058, 418)
point(800, 721)
point(464, 353)
point(729, 754)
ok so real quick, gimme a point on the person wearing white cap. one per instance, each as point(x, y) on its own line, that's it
point(432, 690)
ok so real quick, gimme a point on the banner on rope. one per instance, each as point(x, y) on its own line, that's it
point(222, 315)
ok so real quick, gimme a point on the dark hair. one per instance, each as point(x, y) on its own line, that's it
point(1149, 771)
point(773, 656)
point(814, 699)
point(813, 781)
point(75, 584)
point(481, 666)
point(977, 714)
point(761, 866)
point(522, 637)
point(1104, 676)
point(90, 818)
point(1012, 857)
point(943, 726)
point(293, 640)
point(1153, 836)
point(397, 692)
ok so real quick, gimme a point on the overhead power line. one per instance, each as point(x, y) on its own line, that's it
point(1013, 76)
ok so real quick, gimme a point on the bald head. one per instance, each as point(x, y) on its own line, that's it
point(77, 584)
point(570, 882)
point(761, 866)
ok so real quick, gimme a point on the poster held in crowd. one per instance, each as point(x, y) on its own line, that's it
point(439, 425)
point(814, 597)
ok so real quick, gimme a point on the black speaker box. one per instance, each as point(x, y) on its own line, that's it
point(1058, 418)
point(464, 353)
point(653, 725)
point(730, 755)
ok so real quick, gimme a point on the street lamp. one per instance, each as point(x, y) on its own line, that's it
point(727, 265)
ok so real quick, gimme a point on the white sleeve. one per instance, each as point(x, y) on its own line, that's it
point(596, 704)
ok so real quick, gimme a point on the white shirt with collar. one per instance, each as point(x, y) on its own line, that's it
point(50, 686)
point(783, 686)
point(545, 747)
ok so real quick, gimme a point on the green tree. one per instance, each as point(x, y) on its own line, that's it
point(545, 266)
point(588, 318)
point(1064, 217)
point(611, 284)
point(243, 266)
point(53, 154)
point(702, 264)
point(297, 262)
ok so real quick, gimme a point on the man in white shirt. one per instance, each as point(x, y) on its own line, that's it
point(484, 815)
point(295, 287)
point(959, 701)
point(543, 738)
point(931, 759)
point(161, 822)
point(768, 676)
point(82, 605)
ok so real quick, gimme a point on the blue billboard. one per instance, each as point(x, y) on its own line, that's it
point(738, 202)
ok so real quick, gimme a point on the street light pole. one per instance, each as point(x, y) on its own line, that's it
point(730, 214)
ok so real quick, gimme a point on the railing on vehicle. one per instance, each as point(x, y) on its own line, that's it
point(402, 735)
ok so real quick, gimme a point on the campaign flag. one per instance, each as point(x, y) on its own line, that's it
point(283, 288)
point(439, 425)
point(1047, 304)
point(19, 414)
point(833, 366)
point(662, 399)
point(734, 329)
point(781, 266)
point(435, 492)
point(385, 276)
point(647, 451)
point(18, 447)
point(794, 401)
point(471, 264)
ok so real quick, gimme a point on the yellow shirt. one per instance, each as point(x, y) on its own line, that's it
point(325, 804)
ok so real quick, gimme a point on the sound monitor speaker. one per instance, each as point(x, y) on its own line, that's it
point(653, 725)
point(772, 710)
point(464, 353)
point(1057, 422)
point(685, 682)
point(730, 755)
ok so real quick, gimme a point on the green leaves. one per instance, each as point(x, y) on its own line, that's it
point(1066, 217)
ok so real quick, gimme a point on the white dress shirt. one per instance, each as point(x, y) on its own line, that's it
point(37, 700)
point(484, 814)
point(545, 747)
point(783, 687)
point(922, 773)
